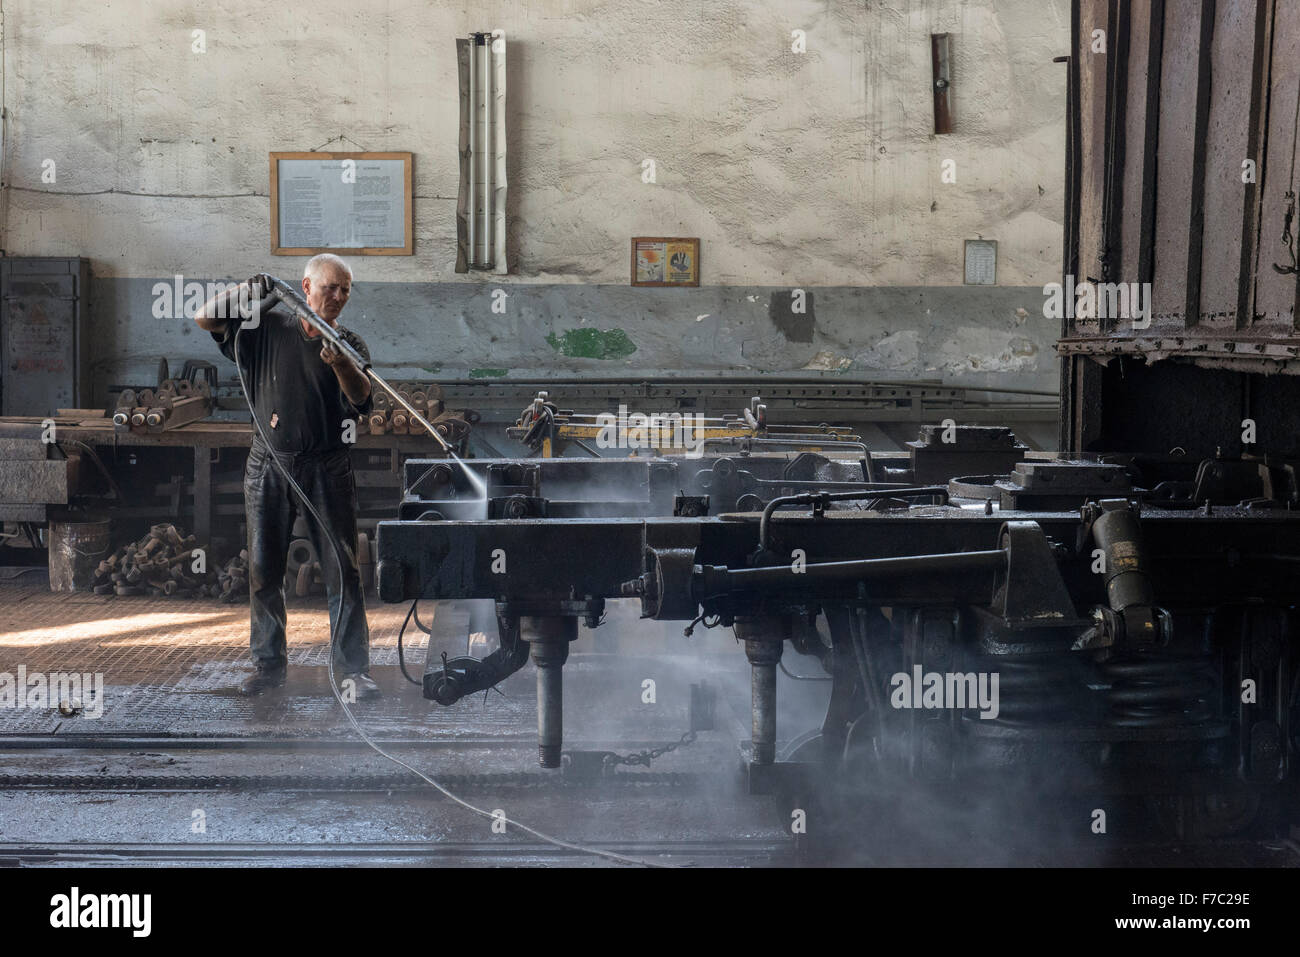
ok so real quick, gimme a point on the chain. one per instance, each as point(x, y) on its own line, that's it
point(645, 757)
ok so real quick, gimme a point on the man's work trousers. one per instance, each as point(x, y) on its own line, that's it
point(271, 506)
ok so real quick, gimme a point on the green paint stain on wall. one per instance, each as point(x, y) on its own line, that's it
point(487, 373)
point(592, 344)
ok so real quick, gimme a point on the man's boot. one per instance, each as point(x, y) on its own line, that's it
point(263, 679)
point(364, 686)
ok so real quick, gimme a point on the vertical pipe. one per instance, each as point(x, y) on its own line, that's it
point(486, 232)
point(763, 702)
point(499, 176)
point(763, 654)
point(548, 646)
point(764, 637)
point(473, 150)
point(550, 711)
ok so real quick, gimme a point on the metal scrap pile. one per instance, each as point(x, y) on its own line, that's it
point(164, 563)
point(161, 563)
point(232, 579)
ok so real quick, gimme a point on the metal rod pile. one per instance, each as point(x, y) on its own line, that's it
point(174, 403)
point(388, 416)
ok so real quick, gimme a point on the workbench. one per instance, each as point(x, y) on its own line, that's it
point(221, 446)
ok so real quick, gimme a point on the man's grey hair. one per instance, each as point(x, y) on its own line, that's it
point(313, 267)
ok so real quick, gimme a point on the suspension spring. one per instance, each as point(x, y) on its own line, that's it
point(1038, 689)
point(1159, 690)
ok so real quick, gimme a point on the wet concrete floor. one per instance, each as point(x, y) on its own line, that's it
point(179, 768)
point(293, 772)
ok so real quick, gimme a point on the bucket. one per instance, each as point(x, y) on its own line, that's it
point(76, 549)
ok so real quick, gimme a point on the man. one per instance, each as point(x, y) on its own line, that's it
point(305, 394)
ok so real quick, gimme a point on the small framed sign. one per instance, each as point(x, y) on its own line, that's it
point(359, 203)
point(981, 262)
point(660, 261)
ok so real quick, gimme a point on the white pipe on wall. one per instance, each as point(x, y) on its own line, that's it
point(485, 94)
point(498, 157)
point(485, 59)
point(472, 216)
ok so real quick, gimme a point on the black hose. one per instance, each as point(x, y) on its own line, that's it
point(352, 720)
point(401, 661)
point(812, 498)
point(781, 665)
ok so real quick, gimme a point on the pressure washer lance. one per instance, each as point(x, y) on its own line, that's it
point(291, 298)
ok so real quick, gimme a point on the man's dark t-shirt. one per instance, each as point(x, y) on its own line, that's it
point(298, 399)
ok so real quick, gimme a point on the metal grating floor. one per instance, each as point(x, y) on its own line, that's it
point(173, 666)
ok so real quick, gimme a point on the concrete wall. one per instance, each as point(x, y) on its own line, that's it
point(814, 170)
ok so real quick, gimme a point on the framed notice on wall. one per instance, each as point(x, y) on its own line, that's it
point(981, 262)
point(358, 203)
point(657, 261)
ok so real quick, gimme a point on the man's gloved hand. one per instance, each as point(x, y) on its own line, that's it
point(260, 286)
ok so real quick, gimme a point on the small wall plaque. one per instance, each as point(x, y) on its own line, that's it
point(660, 261)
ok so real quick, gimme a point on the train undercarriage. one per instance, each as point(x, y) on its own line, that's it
point(1102, 630)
